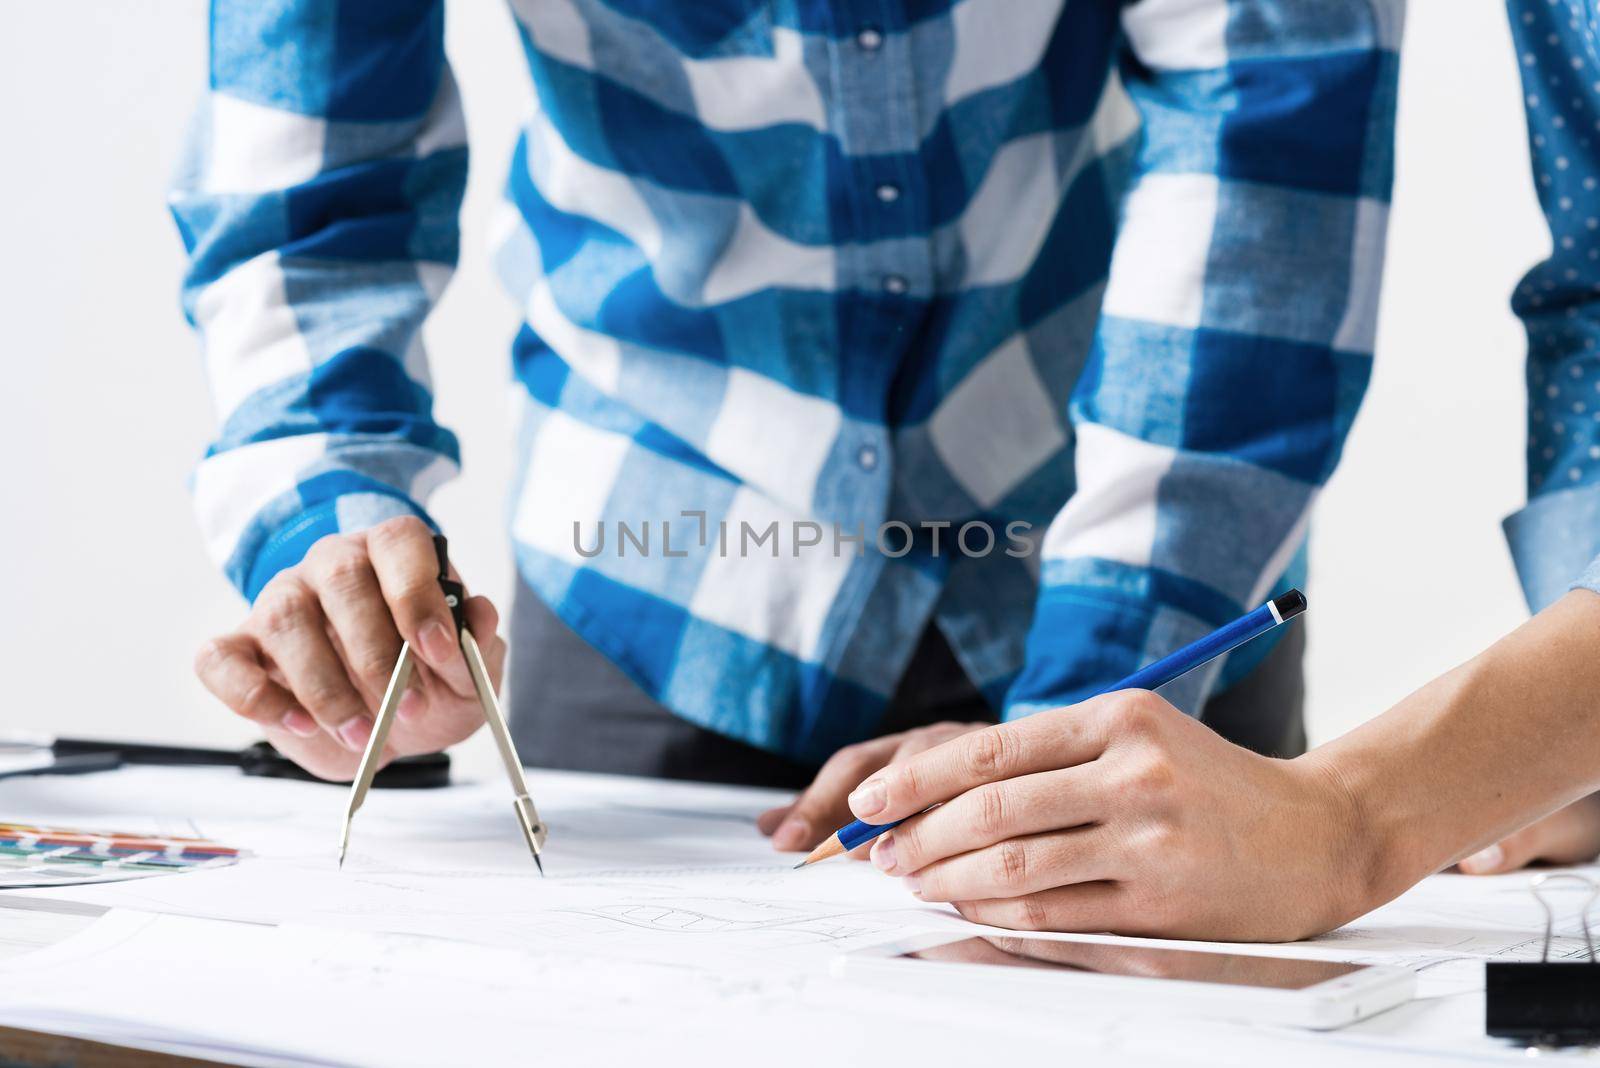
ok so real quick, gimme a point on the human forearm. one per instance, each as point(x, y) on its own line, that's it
point(317, 203)
point(1235, 336)
point(1496, 743)
point(1122, 814)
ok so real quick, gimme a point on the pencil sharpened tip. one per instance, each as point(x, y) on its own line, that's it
point(831, 848)
point(800, 865)
point(539, 864)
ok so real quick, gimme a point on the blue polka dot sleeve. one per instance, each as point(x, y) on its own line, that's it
point(1556, 538)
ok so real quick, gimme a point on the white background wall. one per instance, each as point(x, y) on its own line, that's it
point(105, 591)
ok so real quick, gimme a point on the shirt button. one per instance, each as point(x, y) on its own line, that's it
point(895, 284)
point(888, 192)
point(869, 38)
point(867, 457)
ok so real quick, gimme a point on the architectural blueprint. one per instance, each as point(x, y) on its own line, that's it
point(666, 923)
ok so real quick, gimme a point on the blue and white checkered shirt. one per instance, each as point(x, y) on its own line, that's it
point(1098, 276)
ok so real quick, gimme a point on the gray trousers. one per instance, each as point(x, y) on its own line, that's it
point(572, 708)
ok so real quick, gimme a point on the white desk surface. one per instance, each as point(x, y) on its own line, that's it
point(667, 930)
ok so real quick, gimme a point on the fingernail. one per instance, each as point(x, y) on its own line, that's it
point(436, 643)
point(412, 704)
point(355, 732)
point(883, 854)
point(869, 798)
point(794, 834)
point(299, 724)
point(1485, 859)
point(914, 885)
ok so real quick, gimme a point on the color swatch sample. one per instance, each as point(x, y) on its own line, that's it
point(58, 856)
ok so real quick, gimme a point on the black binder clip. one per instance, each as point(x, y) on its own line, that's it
point(1551, 1003)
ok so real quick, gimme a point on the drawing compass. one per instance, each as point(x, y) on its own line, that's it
point(527, 816)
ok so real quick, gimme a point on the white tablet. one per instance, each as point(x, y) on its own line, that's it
point(1295, 991)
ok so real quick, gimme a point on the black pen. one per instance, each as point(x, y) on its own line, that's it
point(80, 764)
point(81, 755)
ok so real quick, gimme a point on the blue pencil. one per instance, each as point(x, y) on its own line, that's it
point(1230, 636)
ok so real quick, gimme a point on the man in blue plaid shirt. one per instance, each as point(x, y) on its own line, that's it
point(886, 367)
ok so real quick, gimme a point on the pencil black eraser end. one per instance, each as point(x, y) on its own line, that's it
point(1290, 604)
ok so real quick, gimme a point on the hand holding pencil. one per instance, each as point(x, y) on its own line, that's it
point(1110, 815)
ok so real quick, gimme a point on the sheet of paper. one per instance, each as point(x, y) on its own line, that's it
point(245, 991)
point(259, 994)
point(29, 926)
point(632, 868)
point(665, 914)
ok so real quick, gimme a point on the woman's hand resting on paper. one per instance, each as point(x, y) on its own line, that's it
point(312, 659)
point(1121, 814)
point(1568, 835)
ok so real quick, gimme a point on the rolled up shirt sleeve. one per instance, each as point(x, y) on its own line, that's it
point(1555, 540)
point(1590, 579)
point(1236, 333)
point(318, 203)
